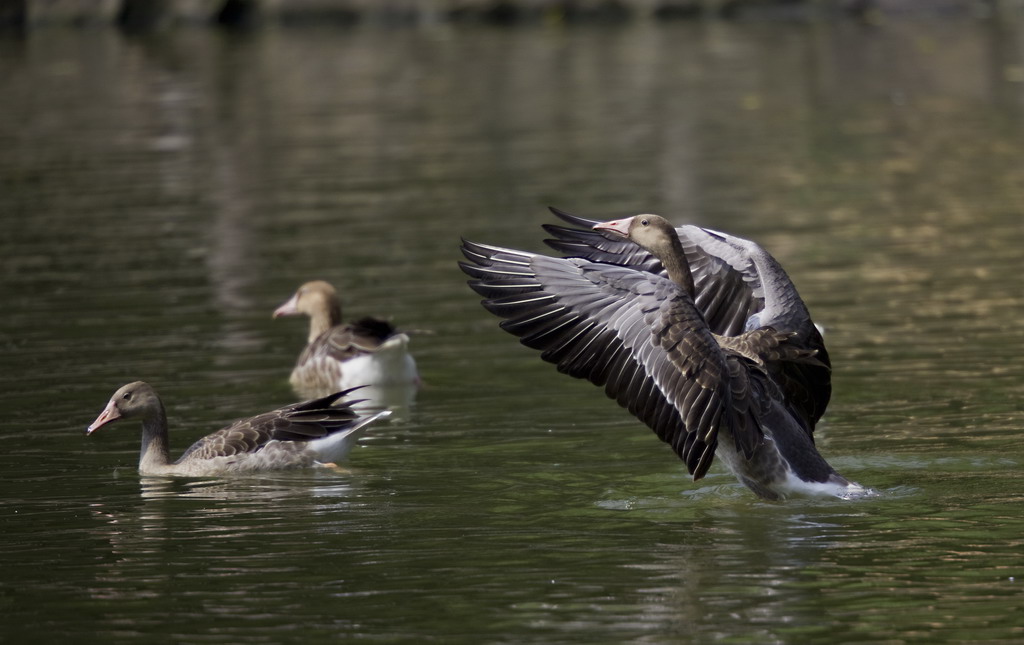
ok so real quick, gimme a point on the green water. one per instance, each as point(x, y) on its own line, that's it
point(160, 196)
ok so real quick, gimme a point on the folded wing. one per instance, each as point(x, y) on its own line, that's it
point(304, 421)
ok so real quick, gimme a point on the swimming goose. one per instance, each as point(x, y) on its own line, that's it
point(305, 434)
point(638, 333)
point(342, 356)
point(738, 287)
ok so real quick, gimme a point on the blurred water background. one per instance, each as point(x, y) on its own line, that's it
point(161, 193)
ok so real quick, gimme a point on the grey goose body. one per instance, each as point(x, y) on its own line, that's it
point(368, 352)
point(630, 315)
point(311, 433)
point(738, 287)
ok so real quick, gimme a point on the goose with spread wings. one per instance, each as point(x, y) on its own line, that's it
point(738, 287)
point(631, 315)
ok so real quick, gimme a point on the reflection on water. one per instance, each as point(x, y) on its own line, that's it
point(159, 194)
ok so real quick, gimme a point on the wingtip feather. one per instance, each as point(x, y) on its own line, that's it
point(573, 219)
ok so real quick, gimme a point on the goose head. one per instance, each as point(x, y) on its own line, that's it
point(319, 301)
point(136, 400)
point(651, 232)
point(312, 299)
point(658, 237)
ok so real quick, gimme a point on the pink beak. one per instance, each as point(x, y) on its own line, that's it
point(617, 226)
point(110, 413)
point(289, 308)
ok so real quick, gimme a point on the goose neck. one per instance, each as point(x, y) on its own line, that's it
point(155, 452)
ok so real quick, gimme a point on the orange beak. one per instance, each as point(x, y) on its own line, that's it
point(289, 308)
point(110, 413)
point(617, 226)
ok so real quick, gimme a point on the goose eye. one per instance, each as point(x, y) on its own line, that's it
point(644, 222)
point(127, 396)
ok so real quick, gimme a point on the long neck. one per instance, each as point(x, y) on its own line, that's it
point(155, 453)
point(677, 267)
point(323, 319)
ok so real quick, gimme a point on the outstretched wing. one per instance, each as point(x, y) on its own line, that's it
point(740, 287)
point(633, 332)
point(807, 385)
point(726, 295)
point(298, 422)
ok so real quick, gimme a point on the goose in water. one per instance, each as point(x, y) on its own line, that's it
point(738, 287)
point(368, 352)
point(630, 314)
point(312, 433)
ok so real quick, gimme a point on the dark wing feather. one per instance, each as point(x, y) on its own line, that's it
point(807, 385)
point(724, 295)
point(739, 287)
point(634, 333)
point(303, 421)
point(375, 328)
point(598, 246)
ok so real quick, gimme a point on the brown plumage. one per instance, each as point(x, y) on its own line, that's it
point(640, 335)
point(738, 288)
point(299, 435)
point(341, 356)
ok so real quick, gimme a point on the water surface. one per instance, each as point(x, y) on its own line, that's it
point(161, 195)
